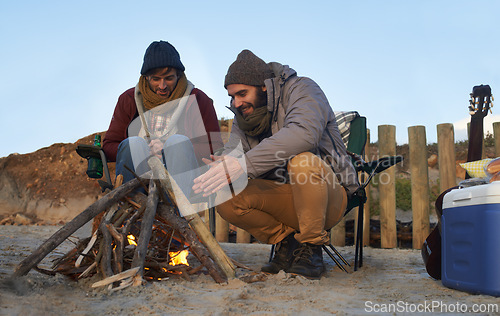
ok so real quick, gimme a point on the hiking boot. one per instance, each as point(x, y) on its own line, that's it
point(308, 261)
point(283, 255)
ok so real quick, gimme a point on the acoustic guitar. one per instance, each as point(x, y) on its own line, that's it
point(480, 102)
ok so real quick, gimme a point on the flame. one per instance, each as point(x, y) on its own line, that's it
point(131, 240)
point(179, 257)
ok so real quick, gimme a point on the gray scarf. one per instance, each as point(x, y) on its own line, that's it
point(254, 124)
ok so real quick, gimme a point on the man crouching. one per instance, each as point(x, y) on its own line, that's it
point(300, 176)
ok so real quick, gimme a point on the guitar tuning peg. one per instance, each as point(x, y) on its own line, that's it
point(492, 98)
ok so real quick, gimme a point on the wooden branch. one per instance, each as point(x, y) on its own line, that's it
point(106, 241)
point(133, 203)
point(118, 250)
point(199, 251)
point(91, 243)
point(117, 277)
point(123, 216)
point(137, 177)
point(128, 223)
point(168, 183)
point(118, 180)
point(88, 270)
point(146, 228)
point(123, 284)
point(55, 240)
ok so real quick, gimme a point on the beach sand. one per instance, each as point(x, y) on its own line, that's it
point(391, 281)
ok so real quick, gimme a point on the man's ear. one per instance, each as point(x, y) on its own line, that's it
point(264, 88)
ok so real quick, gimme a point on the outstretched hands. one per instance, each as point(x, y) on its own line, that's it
point(155, 147)
point(222, 170)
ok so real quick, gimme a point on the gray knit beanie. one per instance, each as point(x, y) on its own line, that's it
point(161, 54)
point(248, 69)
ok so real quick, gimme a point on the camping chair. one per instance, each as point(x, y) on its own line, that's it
point(353, 131)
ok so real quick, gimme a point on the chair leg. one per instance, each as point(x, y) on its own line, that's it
point(358, 254)
point(211, 215)
point(337, 262)
point(272, 252)
point(339, 255)
point(211, 220)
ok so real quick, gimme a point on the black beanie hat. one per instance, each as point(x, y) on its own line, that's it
point(160, 55)
point(248, 69)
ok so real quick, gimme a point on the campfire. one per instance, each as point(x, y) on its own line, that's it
point(166, 254)
point(137, 238)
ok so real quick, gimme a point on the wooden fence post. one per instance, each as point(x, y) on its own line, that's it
point(446, 156)
point(221, 229)
point(387, 187)
point(496, 136)
point(337, 233)
point(242, 236)
point(419, 184)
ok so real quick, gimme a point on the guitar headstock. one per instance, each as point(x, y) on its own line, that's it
point(480, 101)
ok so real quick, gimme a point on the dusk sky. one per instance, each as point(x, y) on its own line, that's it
point(403, 63)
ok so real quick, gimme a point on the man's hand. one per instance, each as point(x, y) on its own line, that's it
point(222, 169)
point(155, 147)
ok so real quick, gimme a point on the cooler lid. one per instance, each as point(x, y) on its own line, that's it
point(479, 194)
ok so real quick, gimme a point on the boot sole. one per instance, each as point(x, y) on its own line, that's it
point(306, 276)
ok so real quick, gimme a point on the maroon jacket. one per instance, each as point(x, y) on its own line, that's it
point(126, 111)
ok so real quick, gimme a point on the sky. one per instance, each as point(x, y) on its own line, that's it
point(63, 64)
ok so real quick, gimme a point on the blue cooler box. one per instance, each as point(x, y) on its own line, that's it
point(470, 236)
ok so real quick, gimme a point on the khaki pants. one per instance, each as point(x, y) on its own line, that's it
point(310, 204)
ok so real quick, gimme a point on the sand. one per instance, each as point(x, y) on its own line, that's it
point(392, 281)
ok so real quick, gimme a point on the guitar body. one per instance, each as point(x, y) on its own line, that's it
point(479, 107)
point(431, 249)
point(431, 254)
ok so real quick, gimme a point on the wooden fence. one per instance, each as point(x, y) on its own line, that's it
point(420, 187)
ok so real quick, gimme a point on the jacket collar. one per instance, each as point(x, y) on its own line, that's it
point(282, 73)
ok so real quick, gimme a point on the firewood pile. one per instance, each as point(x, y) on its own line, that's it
point(137, 237)
point(166, 253)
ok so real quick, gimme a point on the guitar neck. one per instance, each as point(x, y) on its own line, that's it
point(479, 107)
point(475, 151)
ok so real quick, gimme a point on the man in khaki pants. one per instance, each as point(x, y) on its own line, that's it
point(300, 176)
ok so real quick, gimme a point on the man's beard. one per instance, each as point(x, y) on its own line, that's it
point(164, 95)
point(261, 101)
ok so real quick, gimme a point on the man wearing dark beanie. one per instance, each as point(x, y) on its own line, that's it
point(299, 173)
point(163, 115)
